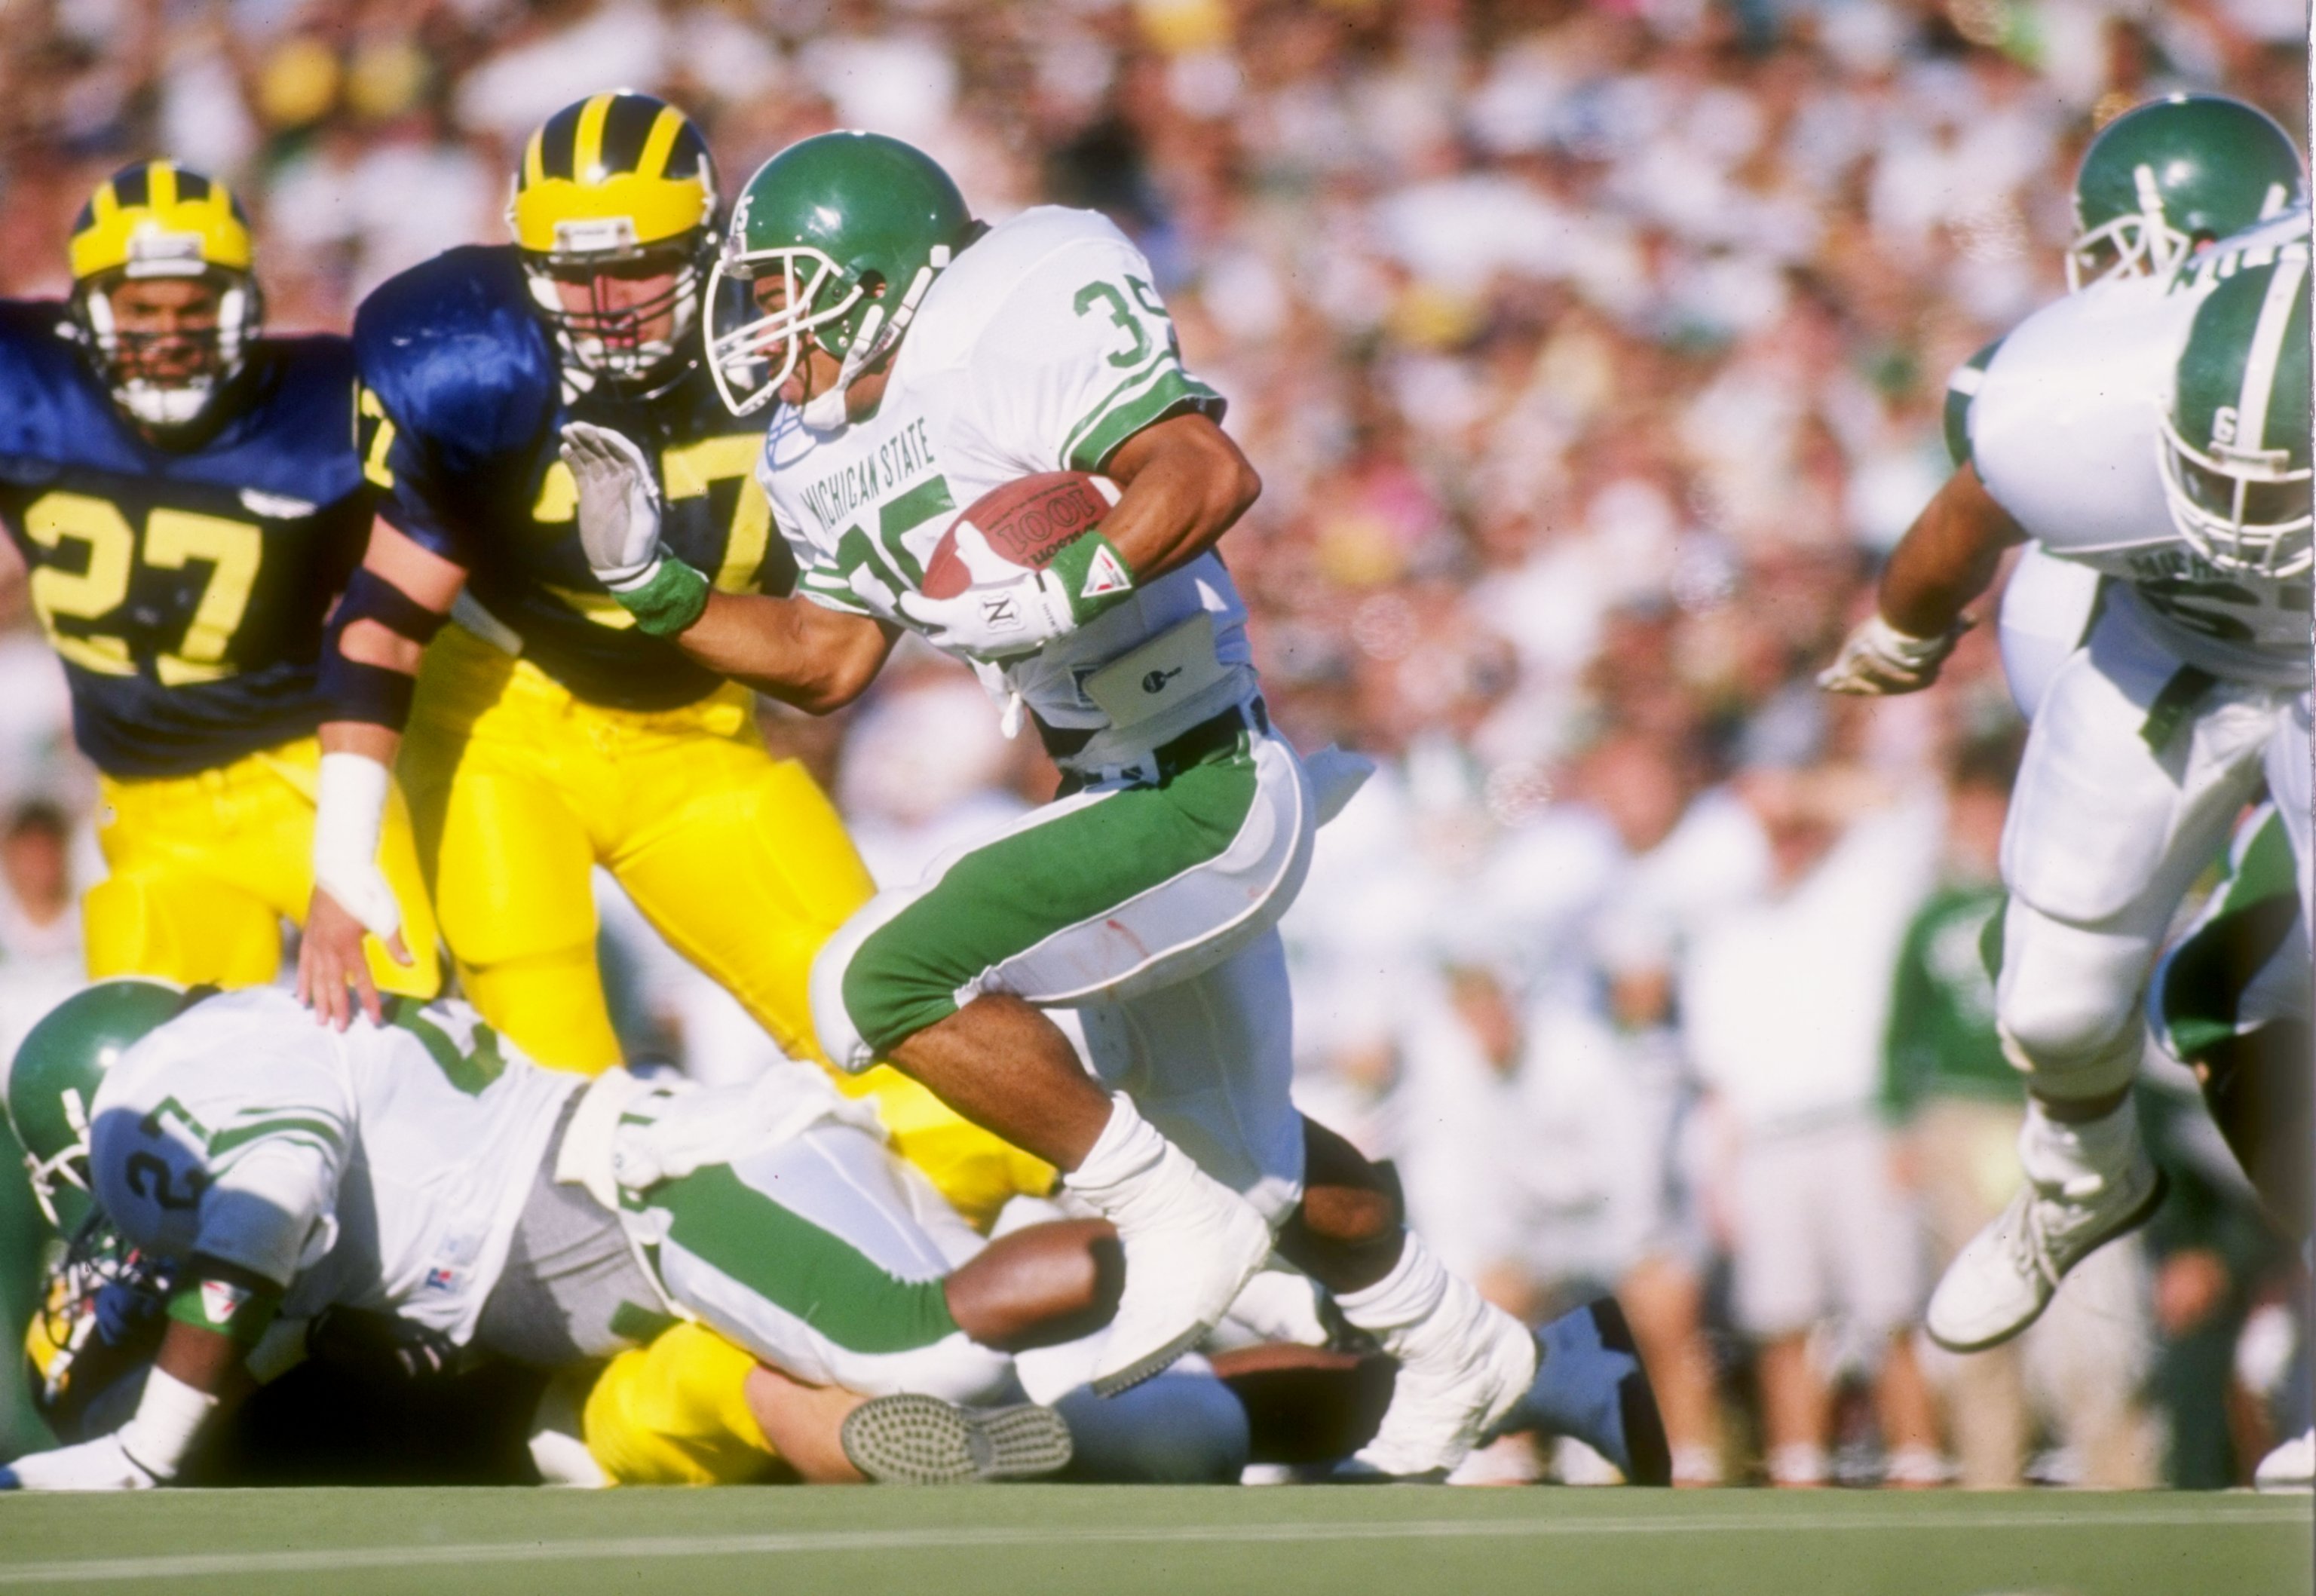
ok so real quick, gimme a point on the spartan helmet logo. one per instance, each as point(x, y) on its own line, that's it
point(2223, 424)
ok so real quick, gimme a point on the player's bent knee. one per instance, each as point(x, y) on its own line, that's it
point(868, 995)
point(2075, 1041)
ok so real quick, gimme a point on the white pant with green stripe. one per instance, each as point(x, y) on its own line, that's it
point(1152, 909)
point(824, 1255)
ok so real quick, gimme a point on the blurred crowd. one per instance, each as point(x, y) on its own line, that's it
point(1591, 353)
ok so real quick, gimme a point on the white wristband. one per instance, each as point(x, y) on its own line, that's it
point(169, 1418)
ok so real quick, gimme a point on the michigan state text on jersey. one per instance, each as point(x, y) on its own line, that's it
point(187, 497)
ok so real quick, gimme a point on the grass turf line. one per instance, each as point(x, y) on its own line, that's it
point(1026, 1540)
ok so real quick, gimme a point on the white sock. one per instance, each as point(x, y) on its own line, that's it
point(1798, 1463)
point(1405, 1298)
point(1129, 1150)
point(2077, 1158)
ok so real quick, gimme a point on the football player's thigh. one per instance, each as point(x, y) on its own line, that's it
point(746, 869)
point(510, 868)
point(808, 1255)
point(189, 898)
point(2106, 830)
point(1209, 1061)
point(181, 925)
point(1101, 894)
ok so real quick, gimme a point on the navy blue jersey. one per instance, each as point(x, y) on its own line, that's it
point(463, 406)
point(184, 588)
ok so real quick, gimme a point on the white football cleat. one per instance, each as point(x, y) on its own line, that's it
point(1190, 1245)
point(2292, 1466)
point(2085, 1184)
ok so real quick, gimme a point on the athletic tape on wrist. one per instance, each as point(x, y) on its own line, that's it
point(168, 1420)
point(668, 600)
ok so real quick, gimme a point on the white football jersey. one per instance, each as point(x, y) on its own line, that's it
point(1042, 348)
point(383, 1167)
point(2065, 429)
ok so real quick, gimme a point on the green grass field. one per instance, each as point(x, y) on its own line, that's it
point(1092, 1541)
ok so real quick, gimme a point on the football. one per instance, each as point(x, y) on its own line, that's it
point(1024, 522)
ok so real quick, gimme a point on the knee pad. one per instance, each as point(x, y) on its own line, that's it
point(2067, 1004)
point(831, 970)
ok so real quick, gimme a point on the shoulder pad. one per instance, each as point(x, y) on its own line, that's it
point(40, 366)
point(321, 364)
point(1962, 387)
point(2254, 246)
point(455, 350)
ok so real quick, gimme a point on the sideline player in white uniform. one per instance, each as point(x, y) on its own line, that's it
point(2157, 430)
point(922, 360)
point(425, 1169)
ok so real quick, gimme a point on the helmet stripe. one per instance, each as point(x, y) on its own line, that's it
point(534, 161)
point(665, 128)
point(161, 179)
point(628, 124)
point(131, 187)
point(2268, 349)
point(587, 142)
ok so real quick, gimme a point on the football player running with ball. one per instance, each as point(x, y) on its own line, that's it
point(2155, 429)
point(186, 494)
point(922, 360)
point(547, 733)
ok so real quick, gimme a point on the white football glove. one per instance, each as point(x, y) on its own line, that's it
point(1876, 659)
point(99, 1465)
point(618, 504)
point(349, 815)
point(1009, 610)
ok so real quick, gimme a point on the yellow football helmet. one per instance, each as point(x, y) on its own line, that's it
point(156, 219)
point(618, 184)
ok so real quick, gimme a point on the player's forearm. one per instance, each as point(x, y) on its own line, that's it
point(799, 652)
point(1185, 485)
point(1946, 559)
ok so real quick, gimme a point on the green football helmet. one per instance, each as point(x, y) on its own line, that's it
point(2179, 171)
point(2235, 444)
point(54, 1078)
point(854, 227)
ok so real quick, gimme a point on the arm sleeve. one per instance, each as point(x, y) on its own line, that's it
point(1079, 358)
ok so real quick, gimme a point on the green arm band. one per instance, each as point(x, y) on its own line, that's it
point(1094, 575)
point(239, 1313)
point(668, 600)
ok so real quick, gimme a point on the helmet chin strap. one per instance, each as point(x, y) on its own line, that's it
point(826, 412)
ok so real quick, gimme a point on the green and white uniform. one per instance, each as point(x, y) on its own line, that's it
point(1149, 897)
point(2188, 690)
point(426, 1169)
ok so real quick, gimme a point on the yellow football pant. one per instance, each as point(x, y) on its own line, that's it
point(517, 788)
point(206, 867)
point(676, 1413)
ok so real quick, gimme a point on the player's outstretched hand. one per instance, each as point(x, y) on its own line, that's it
point(618, 504)
point(332, 972)
point(99, 1465)
point(1877, 659)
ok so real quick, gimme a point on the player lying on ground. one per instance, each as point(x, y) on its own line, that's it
point(185, 492)
point(425, 1170)
point(2154, 429)
point(922, 360)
